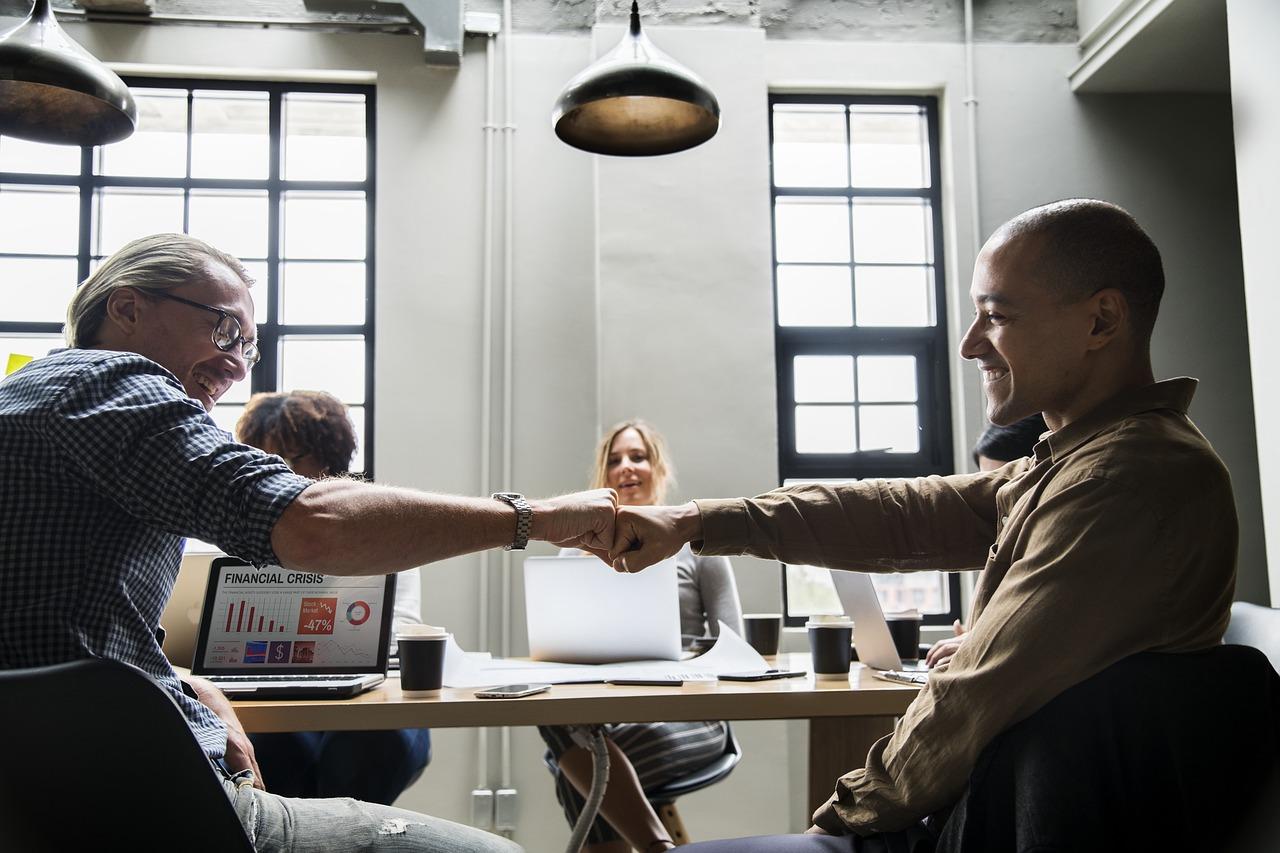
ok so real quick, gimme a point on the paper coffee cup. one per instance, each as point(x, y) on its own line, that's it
point(421, 659)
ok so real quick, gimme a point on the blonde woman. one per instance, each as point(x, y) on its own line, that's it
point(632, 459)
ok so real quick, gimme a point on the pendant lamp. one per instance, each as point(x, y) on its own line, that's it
point(636, 101)
point(53, 90)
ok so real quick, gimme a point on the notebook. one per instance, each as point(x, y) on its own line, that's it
point(579, 610)
point(278, 633)
point(871, 635)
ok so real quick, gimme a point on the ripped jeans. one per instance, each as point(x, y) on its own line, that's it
point(309, 826)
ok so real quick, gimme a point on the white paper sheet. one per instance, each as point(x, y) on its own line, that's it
point(479, 669)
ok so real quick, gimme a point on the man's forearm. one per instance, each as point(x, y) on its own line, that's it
point(348, 527)
point(345, 527)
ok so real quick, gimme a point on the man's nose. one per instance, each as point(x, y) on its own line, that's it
point(974, 342)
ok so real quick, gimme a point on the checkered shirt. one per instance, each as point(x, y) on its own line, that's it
point(105, 465)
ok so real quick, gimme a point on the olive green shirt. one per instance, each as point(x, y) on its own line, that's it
point(1118, 536)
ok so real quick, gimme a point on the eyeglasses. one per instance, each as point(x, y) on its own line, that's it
point(226, 334)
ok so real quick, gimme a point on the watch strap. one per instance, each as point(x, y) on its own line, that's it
point(524, 518)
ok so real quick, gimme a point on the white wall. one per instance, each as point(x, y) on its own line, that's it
point(643, 287)
point(1253, 30)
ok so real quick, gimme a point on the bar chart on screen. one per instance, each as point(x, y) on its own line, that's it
point(270, 613)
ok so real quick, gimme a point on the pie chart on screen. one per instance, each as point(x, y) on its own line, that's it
point(358, 612)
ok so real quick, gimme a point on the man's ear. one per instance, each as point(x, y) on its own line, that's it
point(1110, 312)
point(124, 310)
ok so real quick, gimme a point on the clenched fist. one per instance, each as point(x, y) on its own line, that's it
point(582, 520)
point(644, 535)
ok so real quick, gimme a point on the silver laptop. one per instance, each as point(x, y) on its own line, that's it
point(276, 633)
point(871, 635)
point(581, 611)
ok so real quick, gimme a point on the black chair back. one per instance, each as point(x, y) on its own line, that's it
point(1253, 625)
point(98, 756)
point(1169, 752)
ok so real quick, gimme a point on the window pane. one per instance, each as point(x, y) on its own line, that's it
point(234, 221)
point(322, 293)
point(36, 346)
point(357, 420)
point(812, 229)
point(887, 378)
point(239, 392)
point(126, 214)
point(888, 146)
point(810, 592)
point(892, 428)
point(158, 148)
point(324, 137)
point(809, 146)
point(230, 135)
point(814, 296)
point(39, 220)
point(328, 225)
point(926, 592)
point(824, 379)
point(22, 155)
point(37, 290)
point(257, 271)
point(825, 429)
point(335, 365)
point(894, 296)
point(893, 231)
point(226, 416)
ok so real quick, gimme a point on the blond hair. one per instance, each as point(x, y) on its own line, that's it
point(664, 472)
point(158, 262)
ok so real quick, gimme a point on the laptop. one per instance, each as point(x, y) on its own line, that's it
point(871, 635)
point(578, 610)
point(276, 633)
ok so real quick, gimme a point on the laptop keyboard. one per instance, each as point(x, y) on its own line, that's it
point(286, 678)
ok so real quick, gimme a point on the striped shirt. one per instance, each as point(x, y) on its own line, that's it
point(106, 465)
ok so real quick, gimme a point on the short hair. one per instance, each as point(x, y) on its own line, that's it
point(1007, 443)
point(158, 262)
point(1087, 245)
point(664, 472)
point(311, 422)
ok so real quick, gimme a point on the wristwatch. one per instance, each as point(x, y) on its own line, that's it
point(524, 518)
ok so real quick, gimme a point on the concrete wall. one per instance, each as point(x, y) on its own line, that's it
point(643, 288)
point(1253, 27)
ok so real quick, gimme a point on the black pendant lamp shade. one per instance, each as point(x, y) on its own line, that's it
point(636, 101)
point(53, 90)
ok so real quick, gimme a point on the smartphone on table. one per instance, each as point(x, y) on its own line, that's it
point(511, 691)
point(766, 675)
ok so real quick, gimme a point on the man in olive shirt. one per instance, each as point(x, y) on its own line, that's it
point(1117, 536)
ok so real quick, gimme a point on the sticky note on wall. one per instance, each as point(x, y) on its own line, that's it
point(16, 361)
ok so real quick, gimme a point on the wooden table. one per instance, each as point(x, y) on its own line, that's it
point(846, 716)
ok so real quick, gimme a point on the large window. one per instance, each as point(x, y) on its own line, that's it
point(280, 175)
point(861, 345)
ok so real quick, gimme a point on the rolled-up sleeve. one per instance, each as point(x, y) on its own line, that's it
point(874, 525)
point(128, 429)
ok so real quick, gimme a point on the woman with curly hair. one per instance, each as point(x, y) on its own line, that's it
point(312, 432)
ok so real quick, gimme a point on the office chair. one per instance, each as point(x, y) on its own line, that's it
point(97, 755)
point(1164, 752)
point(663, 797)
point(1253, 625)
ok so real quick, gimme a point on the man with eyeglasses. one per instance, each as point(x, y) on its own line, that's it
point(110, 458)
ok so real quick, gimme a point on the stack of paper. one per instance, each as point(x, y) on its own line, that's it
point(480, 669)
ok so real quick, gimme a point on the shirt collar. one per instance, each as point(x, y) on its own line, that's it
point(1172, 394)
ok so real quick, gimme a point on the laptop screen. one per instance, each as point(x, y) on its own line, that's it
point(281, 621)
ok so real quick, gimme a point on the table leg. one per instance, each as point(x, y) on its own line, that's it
point(836, 746)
